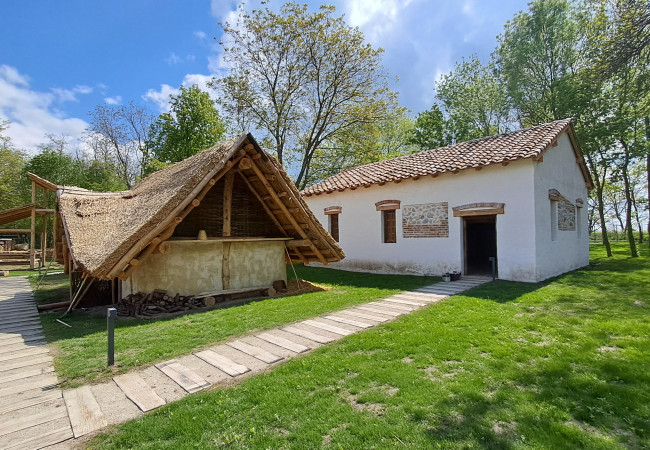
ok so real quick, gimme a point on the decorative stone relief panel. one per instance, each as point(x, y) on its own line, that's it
point(429, 220)
point(566, 215)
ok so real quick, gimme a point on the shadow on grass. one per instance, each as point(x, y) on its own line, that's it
point(322, 275)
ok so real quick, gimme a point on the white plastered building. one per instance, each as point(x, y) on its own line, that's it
point(520, 198)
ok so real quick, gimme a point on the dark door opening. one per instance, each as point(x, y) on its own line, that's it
point(480, 244)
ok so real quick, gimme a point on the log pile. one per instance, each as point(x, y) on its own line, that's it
point(157, 302)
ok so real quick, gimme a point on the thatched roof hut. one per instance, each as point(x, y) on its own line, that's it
point(232, 191)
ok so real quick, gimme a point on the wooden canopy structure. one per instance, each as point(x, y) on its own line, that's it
point(109, 235)
point(31, 211)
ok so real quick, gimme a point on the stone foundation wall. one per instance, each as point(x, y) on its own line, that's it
point(430, 220)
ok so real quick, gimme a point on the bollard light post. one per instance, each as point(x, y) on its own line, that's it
point(111, 315)
point(493, 260)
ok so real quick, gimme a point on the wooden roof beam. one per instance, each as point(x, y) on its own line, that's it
point(286, 213)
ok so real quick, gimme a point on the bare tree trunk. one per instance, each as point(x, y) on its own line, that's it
point(636, 216)
point(647, 168)
point(600, 204)
point(628, 198)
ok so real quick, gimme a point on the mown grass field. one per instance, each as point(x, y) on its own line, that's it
point(80, 351)
point(560, 364)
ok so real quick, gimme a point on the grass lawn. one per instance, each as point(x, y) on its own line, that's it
point(560, 364)
point(51, 288)
point(80, 351)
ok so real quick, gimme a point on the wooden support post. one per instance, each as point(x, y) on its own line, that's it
point(229, 179)
point(32, 231)
point(44, 241)
point(227, 202)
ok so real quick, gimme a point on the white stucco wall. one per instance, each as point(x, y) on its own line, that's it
point(360, 224)
point(570, 249)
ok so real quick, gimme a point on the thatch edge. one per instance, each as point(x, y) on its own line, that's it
point(144, 241)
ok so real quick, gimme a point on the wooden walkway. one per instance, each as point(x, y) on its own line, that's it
point(90, 408)
point(32, 410)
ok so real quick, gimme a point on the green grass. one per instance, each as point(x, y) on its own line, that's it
point(559, 364)
point(80, 351)
point(51, 288)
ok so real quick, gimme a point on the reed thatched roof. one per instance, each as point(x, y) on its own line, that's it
point(108, 232)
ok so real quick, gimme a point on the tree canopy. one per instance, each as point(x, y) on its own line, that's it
point(302, 79)
point(192, 124)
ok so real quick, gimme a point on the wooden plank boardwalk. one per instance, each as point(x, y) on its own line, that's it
point(82, 411)
point(32, 410)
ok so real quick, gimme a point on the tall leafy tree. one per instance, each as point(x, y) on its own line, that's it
point(192, 124)
point(474, 101)
point(366, 143)
point(301, 78)
point(429, 130)
point(538, 55)
point(12, 162)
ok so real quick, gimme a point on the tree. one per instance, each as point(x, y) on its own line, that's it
point(191, 125)
point(363, 144)
point(474, 101)
point(12, 162)
point(429, 130)
point(55, 164)
point(118, 134)
point(302, 79)
point(538, 55)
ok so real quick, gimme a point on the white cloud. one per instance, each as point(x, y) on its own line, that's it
point(173, 59)
point(220, 7)
point(113, 100)
point(200, 35)
point(161, 96)
point(32, 113)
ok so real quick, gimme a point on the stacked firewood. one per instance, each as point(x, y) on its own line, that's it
point(159, 302)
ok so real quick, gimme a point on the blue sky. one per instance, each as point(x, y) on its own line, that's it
point(60, 59)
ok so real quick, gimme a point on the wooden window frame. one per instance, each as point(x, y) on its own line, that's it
point(389, 226)
point(334, 226)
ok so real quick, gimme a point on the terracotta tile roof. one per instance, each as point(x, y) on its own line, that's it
point(528, 143)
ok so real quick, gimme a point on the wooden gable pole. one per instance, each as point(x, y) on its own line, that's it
point(229, 181)
point(278, 201)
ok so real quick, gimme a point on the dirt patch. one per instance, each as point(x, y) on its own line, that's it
point(407, 360)
point(500, 428)
point(608, 349)
point(639, 303)
point(376, 409)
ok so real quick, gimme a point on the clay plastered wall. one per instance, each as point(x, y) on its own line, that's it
point(360, 223)
point(192, 267)
point(429, 220)
point(570, 249)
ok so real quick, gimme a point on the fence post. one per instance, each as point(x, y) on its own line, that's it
point(111, 315)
